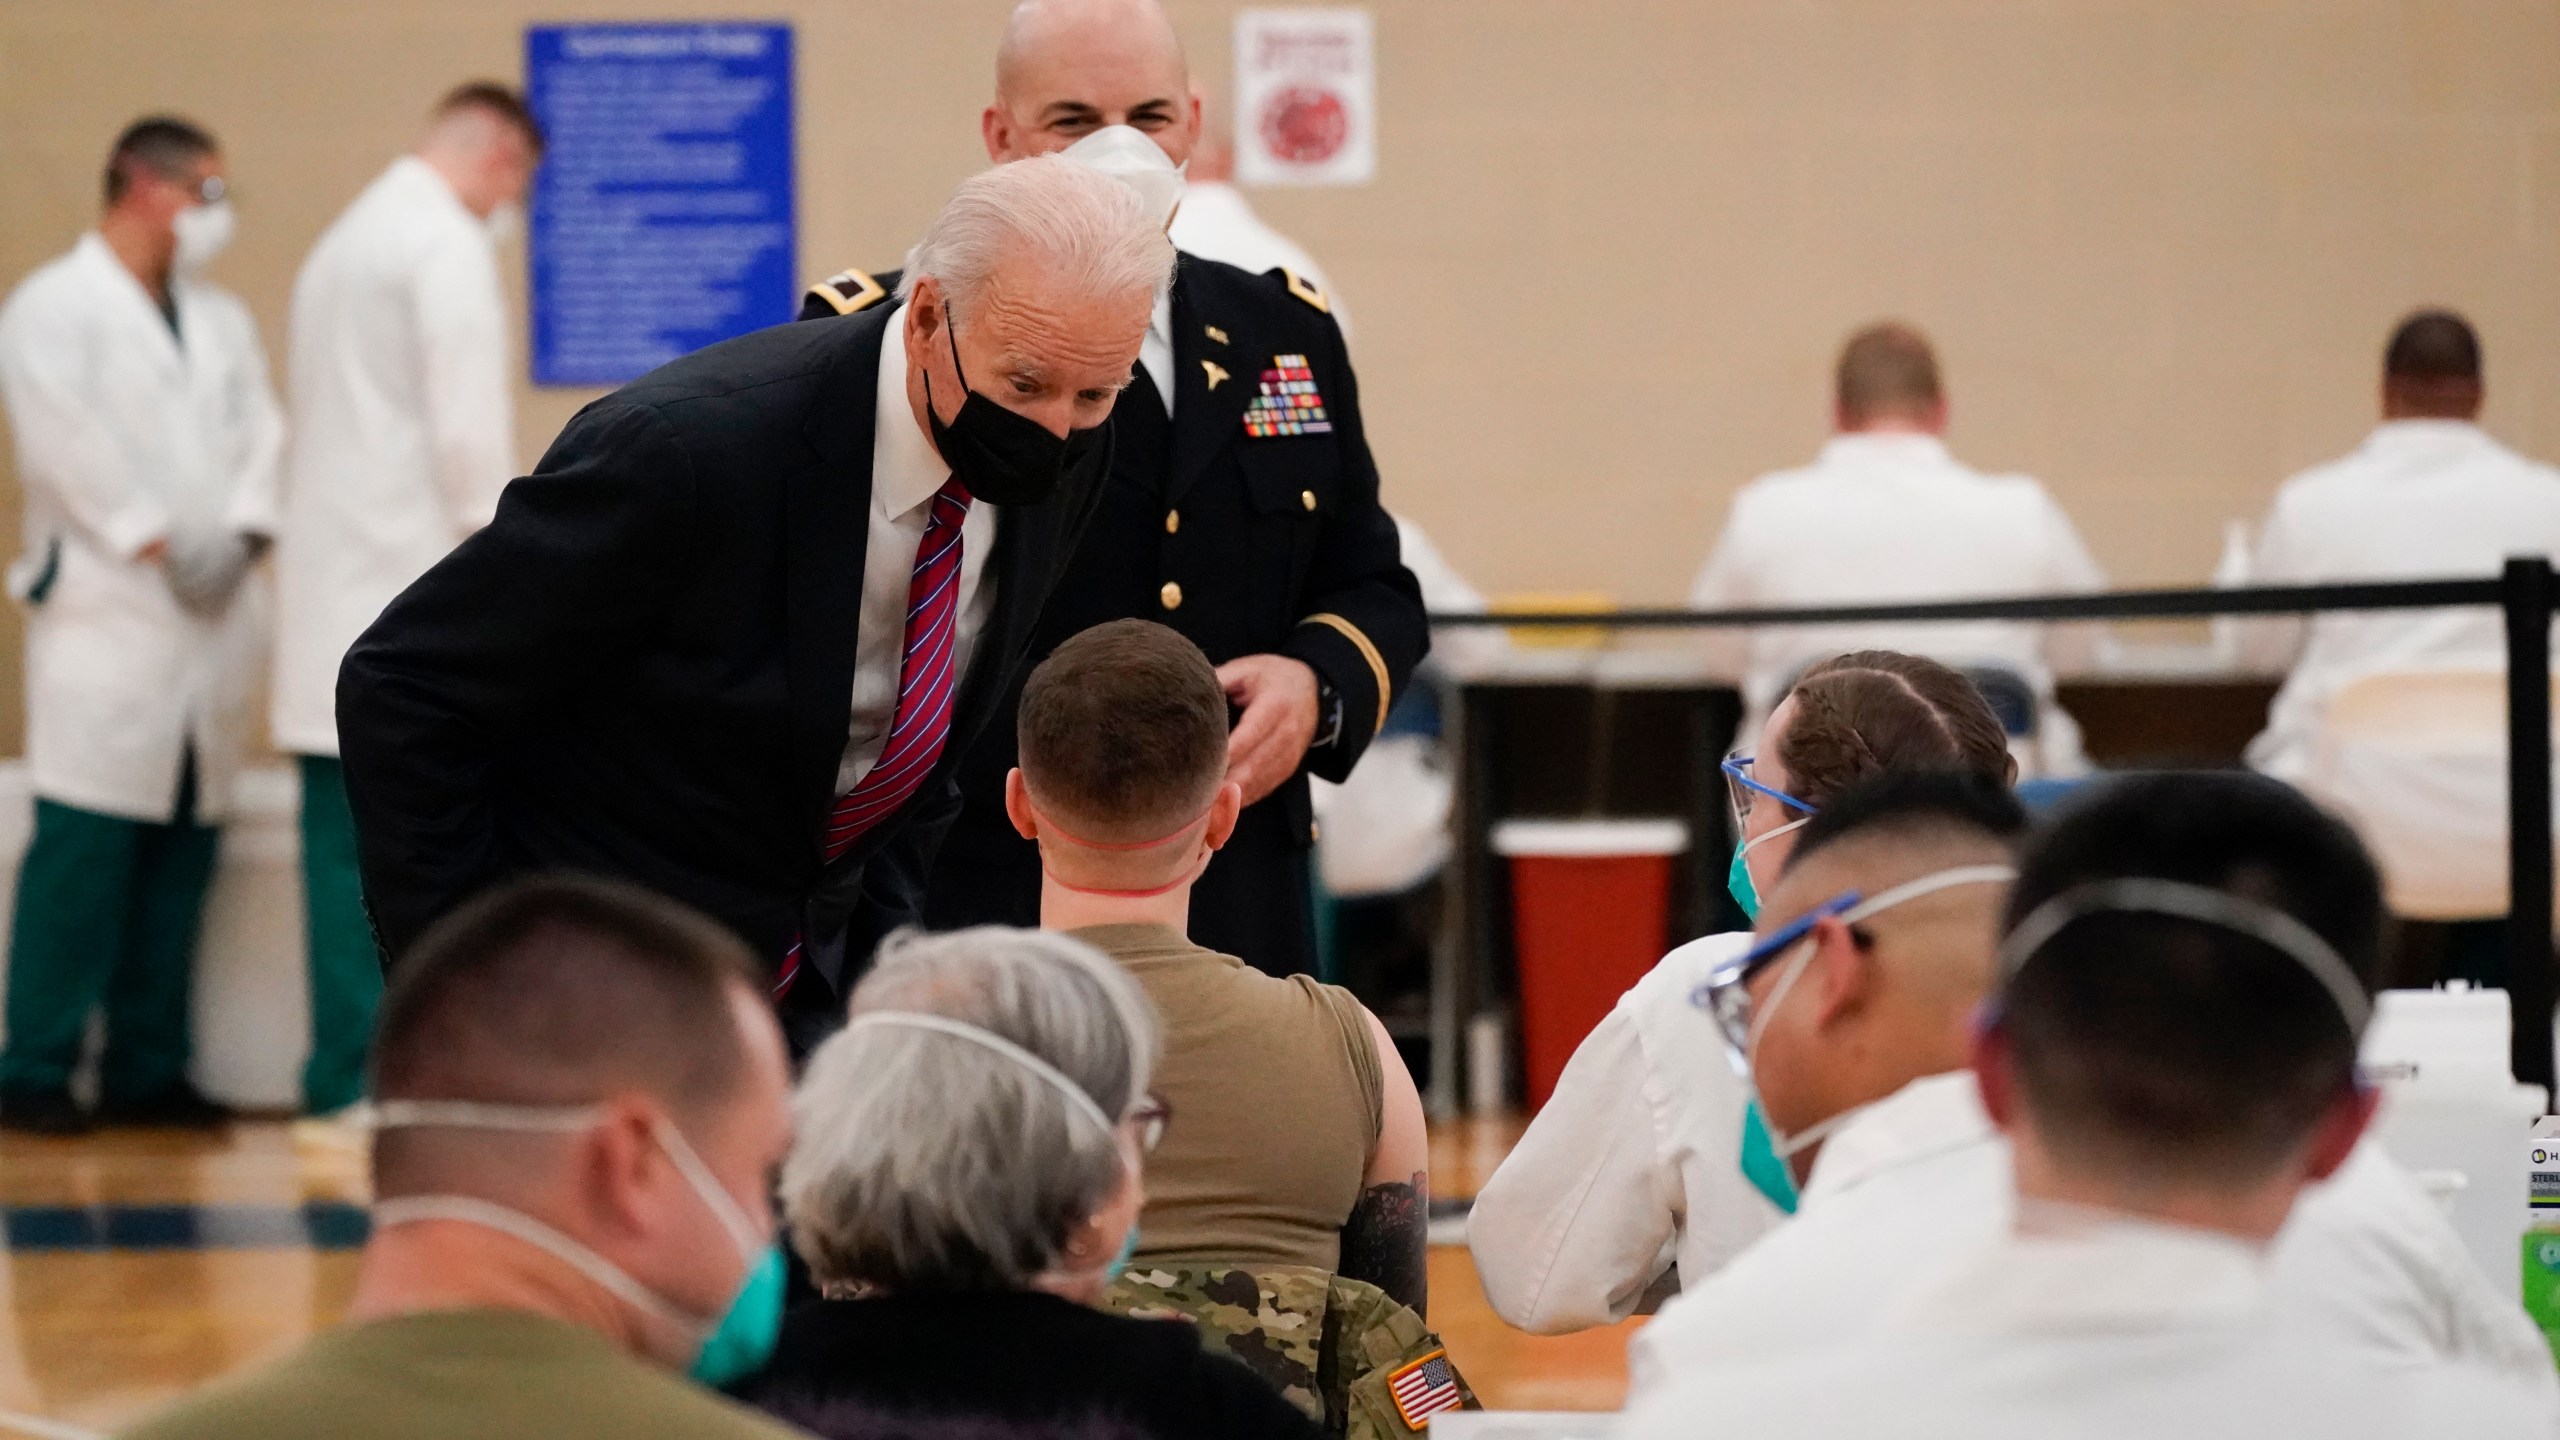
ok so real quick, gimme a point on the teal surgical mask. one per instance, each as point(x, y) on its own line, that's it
point(1737, 877)
point(1760, 1163)
point(728, 1347)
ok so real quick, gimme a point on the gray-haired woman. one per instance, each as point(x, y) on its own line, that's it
point(964, 1184)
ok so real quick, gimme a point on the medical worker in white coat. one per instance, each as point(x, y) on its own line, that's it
point(1217, 222)
point(1857, 1016)
point(1645, 1168)
point(404, 433)
point(147, 437)
point(1886, 514)
point(2428, 495)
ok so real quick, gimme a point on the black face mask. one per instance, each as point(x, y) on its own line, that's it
point(1002, 457)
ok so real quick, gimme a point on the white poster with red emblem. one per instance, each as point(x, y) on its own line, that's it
point(1306, 98)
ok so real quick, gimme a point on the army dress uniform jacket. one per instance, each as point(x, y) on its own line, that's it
point(1250, 522)
point(644, 666)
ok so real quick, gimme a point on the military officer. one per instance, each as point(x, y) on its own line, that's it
point(1241, 508)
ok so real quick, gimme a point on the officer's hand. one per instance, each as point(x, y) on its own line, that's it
point(1278, 698)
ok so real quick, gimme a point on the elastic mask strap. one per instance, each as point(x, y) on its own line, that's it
point(723, 1206)
point(2204, 905)
point(1756, 842)
point(481, 1115)
point(989, 1040)
point(1050, 827)
point(1929, 884)
point(1168, 887)
point(468, 1210)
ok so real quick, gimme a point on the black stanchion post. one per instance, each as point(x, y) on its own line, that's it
point(2527, 595)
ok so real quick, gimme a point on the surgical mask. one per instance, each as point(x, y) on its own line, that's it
point(202, 232)
point(504, 223)
point(1765, 1149)
point(1128, 156)
point(1074, 1094)
point(1003, 457)
point(1737, 877)
point(728, 1347)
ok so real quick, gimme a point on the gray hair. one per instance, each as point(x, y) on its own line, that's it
point(925, 1162)
point(1092, 233)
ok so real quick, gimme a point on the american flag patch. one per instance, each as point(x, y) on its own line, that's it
point(1424, 1389)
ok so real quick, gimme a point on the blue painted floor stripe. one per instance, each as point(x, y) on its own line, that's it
point(314, 1225)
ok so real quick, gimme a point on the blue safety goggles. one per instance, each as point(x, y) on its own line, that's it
point(1726, 994)
point(1741, 788)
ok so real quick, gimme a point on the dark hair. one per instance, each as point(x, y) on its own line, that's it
point(503, 101)
point(1870, 711)
point(555, 991)
point(163, 145)
point(2150, 1044)
point(1915, 802)
point(1886, 369)
point(1124, 724)
point(2433, 345)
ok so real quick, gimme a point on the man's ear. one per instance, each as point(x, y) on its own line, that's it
point(1991, 1073)
point(2339, 1130)
point(1845, 973)
point(1017, 805)
point(1224, 811)
point(996, 131)
point(616, 1165)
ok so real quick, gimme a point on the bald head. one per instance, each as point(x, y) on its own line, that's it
point(1888, 380)
point(1067, 68)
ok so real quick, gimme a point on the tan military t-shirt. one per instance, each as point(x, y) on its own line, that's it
point(1277, 1098)
point(489, 1374)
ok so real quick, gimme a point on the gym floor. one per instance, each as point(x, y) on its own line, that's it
point(141, 1265)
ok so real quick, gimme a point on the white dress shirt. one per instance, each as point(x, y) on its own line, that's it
point(906, 473)
point(404, 426)
point(1156, 351)
point(1892, 517)
point(1900, 1195)
point(2420, 499)
point(1632, 1166)
point(2092, 1326)
point(1216, 222)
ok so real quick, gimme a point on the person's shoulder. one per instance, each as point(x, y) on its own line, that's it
point(59, 284)
point(779, 368)
point(1677, 974)
point(847, 292)
point(1281, 296)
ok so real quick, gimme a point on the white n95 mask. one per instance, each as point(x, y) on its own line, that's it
point(202, 231)
point(1126, 154)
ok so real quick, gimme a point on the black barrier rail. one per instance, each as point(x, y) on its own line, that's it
point(2526, 591)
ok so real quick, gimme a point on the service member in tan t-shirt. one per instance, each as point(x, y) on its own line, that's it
point(1297, 1137)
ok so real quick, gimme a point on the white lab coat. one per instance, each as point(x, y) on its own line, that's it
point(1632, 1167)
point(1216, 222)
point(404, 426)
point(1892, 517)
point(128, 435)
point(2419, 499)
point(1901, 1195)
point(2089, 1326)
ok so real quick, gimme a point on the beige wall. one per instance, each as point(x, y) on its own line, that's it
point(1612, 245)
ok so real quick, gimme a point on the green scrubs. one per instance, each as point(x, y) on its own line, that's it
point(346, 970)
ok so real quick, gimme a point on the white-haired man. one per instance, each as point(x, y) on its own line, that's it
point(729, 637)
point(1242, 507)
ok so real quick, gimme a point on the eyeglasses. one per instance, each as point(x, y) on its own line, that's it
point(211, 190)
point(1151, 1117)
point(1726, 992)
point(1743, 790)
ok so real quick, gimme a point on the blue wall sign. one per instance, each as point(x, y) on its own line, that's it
point(662, 217)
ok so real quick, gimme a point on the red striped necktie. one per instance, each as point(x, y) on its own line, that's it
point(928, 679)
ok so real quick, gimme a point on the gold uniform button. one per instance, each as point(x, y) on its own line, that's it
point(1307, 498)
point(1315, 832)
point(1171, 595)
point(1172, 521)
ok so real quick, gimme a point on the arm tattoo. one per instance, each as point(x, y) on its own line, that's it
point(1386, 1241)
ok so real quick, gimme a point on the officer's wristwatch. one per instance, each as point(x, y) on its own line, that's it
point(1328, 714)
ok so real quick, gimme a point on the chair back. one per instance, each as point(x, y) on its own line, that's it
point(2416, 760)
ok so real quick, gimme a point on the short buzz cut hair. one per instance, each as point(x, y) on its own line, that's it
point(1918, 804)
point(559, 990)
point(2159, 1046)
point(1124, 724)
point(1090, 233)
point(2433, 347)
point(162, 145)
point(1886, 369)
point(501, 102)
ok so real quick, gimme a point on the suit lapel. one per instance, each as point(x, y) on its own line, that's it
point(1208, 404)
point(827, 523)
